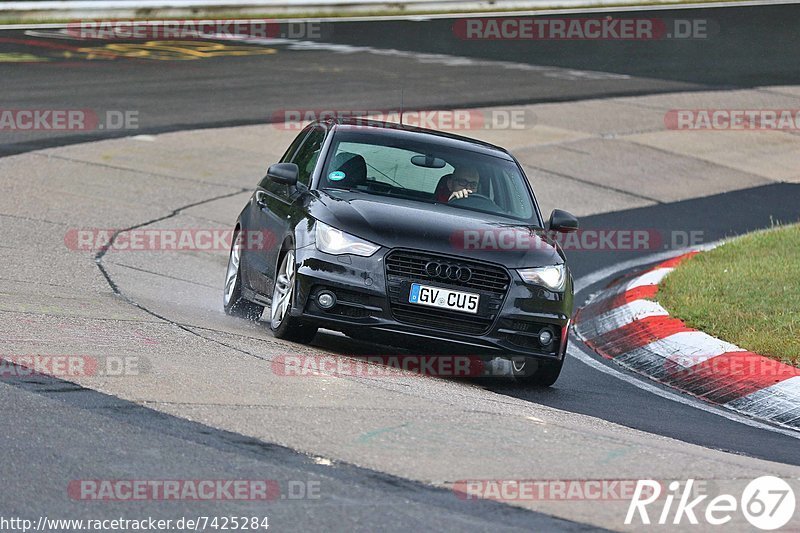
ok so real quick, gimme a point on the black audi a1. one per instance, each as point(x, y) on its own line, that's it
point(405, 236)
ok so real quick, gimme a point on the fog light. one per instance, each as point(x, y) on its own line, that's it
point(326, 299)
point(545, 336)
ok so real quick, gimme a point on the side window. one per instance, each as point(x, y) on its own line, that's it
point(267, 183)
point(307, 155)
point(287, 157)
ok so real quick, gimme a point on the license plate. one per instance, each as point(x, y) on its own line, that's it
point(444, 298)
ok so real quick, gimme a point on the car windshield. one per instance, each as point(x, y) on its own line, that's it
point(427, 172)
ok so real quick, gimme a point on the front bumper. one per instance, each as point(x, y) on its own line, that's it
point(372, 303)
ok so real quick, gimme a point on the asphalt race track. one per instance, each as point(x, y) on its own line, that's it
point(749, 47)
point(59, 430)
point(140, 442)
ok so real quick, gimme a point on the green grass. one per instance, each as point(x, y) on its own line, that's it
point(746, 292)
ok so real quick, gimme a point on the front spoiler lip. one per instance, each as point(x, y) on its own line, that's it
point(496, 350)
point(484, 343)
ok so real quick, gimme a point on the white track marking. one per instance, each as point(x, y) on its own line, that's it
point(649, 278)
point(599, 275)
point(421, 57)
point(782, 397)
point(625, 314)
point(789, 388)
point(685, 348)
point(654, 277)
point(584, 357)
point(441, 59)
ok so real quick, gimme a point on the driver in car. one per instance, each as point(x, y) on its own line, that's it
point(459, 184)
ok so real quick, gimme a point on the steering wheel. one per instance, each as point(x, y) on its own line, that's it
point(476, 201)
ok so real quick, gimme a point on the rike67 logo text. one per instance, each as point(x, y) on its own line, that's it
point(767, 502)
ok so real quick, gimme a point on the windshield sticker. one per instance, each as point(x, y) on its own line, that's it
point(337, 175)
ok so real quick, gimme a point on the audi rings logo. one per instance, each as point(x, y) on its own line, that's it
point(444, 271)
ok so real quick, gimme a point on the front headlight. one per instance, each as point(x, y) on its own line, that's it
point(334, 241)
point(551, 277)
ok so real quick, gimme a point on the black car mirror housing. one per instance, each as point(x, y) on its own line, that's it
point(284, 173)
point(562, 221)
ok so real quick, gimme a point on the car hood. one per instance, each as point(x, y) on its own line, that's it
point(401, 223)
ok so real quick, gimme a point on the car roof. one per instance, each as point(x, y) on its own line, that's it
point(404, 131)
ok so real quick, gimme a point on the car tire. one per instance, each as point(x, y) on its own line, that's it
point(545, 374)
point(281, 322)
point(232, 300)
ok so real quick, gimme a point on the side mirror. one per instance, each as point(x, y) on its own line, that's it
point(562, 221)
point(284, 173)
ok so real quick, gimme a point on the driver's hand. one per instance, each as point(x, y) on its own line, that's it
point(463, 193)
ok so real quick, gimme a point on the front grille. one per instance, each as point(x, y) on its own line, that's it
point(412, 266)
point(348, 311)
point(405, 267)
